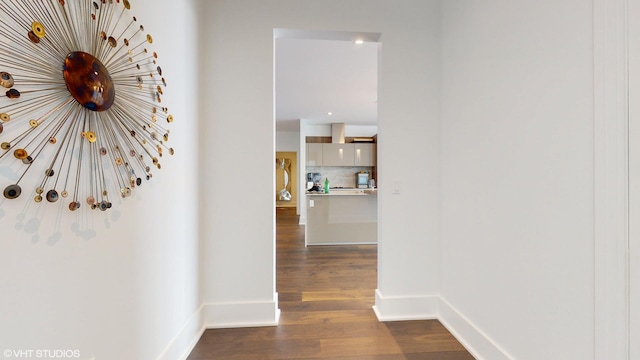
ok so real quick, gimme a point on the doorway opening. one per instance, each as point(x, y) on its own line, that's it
point(323, 79)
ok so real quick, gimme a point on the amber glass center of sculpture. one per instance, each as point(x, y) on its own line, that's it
point(88, 81)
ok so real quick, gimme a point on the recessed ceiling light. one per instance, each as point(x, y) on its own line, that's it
point(329, 113)
point(359, 42)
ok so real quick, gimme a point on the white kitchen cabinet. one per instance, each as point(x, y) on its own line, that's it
point(338, 154)
point(365, 154)
point(314, 154)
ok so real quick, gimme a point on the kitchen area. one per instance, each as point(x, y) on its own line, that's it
point(327, 112)
point(341, 195)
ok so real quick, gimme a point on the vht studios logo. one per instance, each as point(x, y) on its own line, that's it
point(41, 354)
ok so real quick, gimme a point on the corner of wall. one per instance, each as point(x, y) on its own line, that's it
point(404, 308)
point(241, 314)
point(185, 341)
point(473, 339)
point(400, 308)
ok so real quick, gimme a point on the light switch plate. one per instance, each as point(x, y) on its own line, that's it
point(395, 186)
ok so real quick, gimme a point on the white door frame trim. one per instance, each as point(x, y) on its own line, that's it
point(633, 43)
point(611, 184)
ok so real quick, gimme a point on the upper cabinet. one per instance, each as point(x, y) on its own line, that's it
point(338, 155)
point(314, 154)
point(365, 154)
point(333, 154)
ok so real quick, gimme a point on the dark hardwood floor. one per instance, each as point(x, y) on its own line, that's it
point(325, 295)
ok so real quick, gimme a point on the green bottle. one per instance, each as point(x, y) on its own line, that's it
point(326, 185)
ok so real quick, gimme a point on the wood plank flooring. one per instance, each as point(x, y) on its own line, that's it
point(325, 295)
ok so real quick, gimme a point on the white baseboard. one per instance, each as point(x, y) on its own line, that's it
point(241, 314)
point(185, 341)
point(400, 308)
point(302, 221)
point(472, 338)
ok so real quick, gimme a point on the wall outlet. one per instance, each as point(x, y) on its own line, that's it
point(312, 203)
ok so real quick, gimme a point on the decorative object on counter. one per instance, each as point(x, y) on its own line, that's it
point(316, 188)
point(82, 111)
point(326, 185)
point(362, 180)
point(313, 181)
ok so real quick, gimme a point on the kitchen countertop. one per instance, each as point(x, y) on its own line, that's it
point(345, 192)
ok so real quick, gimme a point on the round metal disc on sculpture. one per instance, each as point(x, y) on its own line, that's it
point(89, 81)
point(52, 196)
point(33, 37)
point(38, 29)
point(12, 191)
point(73, 206)
point(6, 80)
point(20, 154)
point(13, 94)
point(91, 136)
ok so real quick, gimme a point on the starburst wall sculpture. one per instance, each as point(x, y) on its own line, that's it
point(81, 111)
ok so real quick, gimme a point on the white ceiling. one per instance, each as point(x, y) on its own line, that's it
point(315, 77)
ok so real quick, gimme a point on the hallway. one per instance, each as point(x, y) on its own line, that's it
point(325, 295)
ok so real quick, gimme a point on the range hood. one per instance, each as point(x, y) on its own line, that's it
point(337, 133)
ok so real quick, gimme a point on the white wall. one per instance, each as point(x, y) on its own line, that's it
point(409, 154)
point(350, 130)
point(288, 141)
point(239, 259)
point(122, 284)
point(518, 177)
